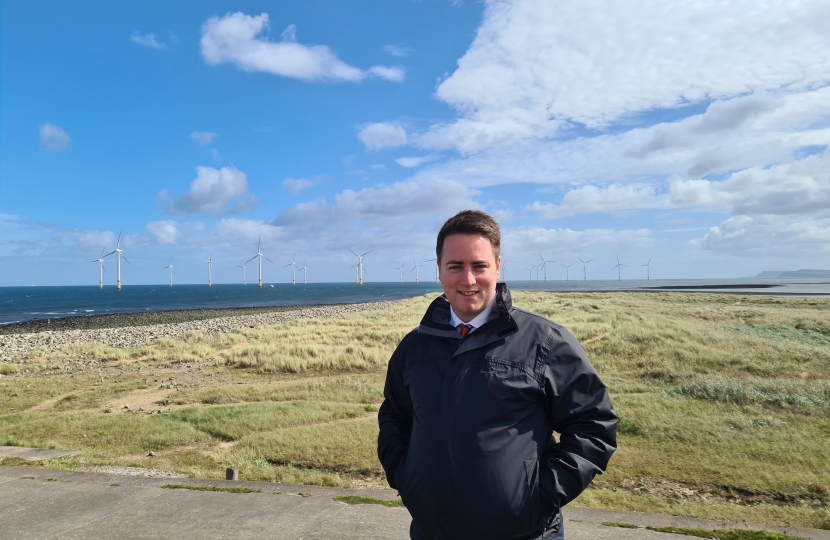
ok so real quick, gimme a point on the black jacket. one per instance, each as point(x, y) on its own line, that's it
point(466, 425)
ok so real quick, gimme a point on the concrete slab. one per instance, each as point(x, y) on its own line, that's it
point(33, 454)
point(43, 504)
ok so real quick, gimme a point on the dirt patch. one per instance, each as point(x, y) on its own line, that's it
point(596, 338)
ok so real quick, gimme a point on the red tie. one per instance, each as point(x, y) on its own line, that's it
point(464, 329)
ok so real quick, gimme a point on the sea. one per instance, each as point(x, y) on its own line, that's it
point(20, 304)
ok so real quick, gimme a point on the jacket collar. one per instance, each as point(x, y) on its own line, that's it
point(436, 322)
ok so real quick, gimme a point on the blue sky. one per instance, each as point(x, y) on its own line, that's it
point(696, 135)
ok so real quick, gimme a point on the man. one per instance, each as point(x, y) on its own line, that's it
point(472, 398)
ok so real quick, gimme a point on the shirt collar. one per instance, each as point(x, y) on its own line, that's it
point(479, 319)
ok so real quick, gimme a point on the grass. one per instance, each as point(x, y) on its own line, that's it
point(726, 534)
point(621, 525)
point(211, 488)
point(723, 401)
point(354, 499)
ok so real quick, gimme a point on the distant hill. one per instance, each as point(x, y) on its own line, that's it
point(804, 273)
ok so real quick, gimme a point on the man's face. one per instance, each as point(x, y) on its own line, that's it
point(469, 272)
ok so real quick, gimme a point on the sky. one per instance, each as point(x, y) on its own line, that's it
point(691, 133)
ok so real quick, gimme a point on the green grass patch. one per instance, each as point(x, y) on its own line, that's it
point(354, 499)
point(621, 525)
point(798, 394)
point(726, 534)
point(212, 488)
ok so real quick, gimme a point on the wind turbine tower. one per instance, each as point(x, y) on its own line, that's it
point(436, 269)
point(567, 269)
point(545, 266)
point(244, 274)
point(210, 270)
point(584, 268)
point(356, 274)
point(293, 266)
point(120, 256)
point(530, 273)
point(648, 269)
point(170, 266)
point(360, 265)
point(304, 269)
point(260, 256)
point(618, 267)
point(416, 268)
point(100, 261)
point(396, 268)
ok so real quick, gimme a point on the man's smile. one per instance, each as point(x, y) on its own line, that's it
point(468, 293)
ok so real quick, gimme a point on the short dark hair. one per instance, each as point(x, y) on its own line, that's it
point(470, 222)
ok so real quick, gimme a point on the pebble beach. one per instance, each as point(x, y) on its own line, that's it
point(136, 329)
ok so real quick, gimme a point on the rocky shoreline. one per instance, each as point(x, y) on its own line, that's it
point(136, 329)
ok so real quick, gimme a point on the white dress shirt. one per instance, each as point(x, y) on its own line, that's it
point(478, 320)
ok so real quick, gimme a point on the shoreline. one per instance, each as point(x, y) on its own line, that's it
point(16, 346)
point(129, 319)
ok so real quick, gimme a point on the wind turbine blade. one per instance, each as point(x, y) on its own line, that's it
point(108, 254)
point(252, 258)
point(118, 244)
point(267, 259)
point(580, 260)
point(125, 258)
point(355, 254)
point(289, 264)
point(102, 253)
point(368, 252)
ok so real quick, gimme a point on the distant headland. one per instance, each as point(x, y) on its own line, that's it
point(804, 273)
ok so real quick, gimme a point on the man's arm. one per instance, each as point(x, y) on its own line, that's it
point(581, 413)
point(394, 418)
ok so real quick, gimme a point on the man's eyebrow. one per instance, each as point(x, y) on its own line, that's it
point(480, 261)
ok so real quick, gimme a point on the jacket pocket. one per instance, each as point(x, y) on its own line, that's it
point(534, 495)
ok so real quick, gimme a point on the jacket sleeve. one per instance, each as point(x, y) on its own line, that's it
point(394, 418)
point(581, 412)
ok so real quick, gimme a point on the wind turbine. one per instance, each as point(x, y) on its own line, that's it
point(567, 269)
point(396, 268)
point(530, 273)
point(618, 267)
point(356, 275)
point(436, 268)
point(210, 269)
point(244, 274)
point(647, 265)
point(261, 256)
point(170, 266)
point(304, 269)
point(584, 268)
point(545, 266)
point(120, 256)
point(360, 266)
point(416, 268)
point(100, 261)
point(293, 269)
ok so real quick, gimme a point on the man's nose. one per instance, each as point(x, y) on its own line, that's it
point(468, 278)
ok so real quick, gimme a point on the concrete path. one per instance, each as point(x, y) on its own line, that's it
point(40, 504)
point(33, 454)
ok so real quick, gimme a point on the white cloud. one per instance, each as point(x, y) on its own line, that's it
point(763, 236)
point(404, 200)
point(214, 154)
point(397, 50)
point(147, 40)
point(379, 166)
point(592, 199)
point(800, 187)
point(165, 232)
point(53, 138)
point(212, 192)
point(536, 67)
point(382, 135)
point(393, 74)
point(203, 138)
point(233, 39)
point(529, 242)
point(296, 185)
point(247, 231)
point(410, 162)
